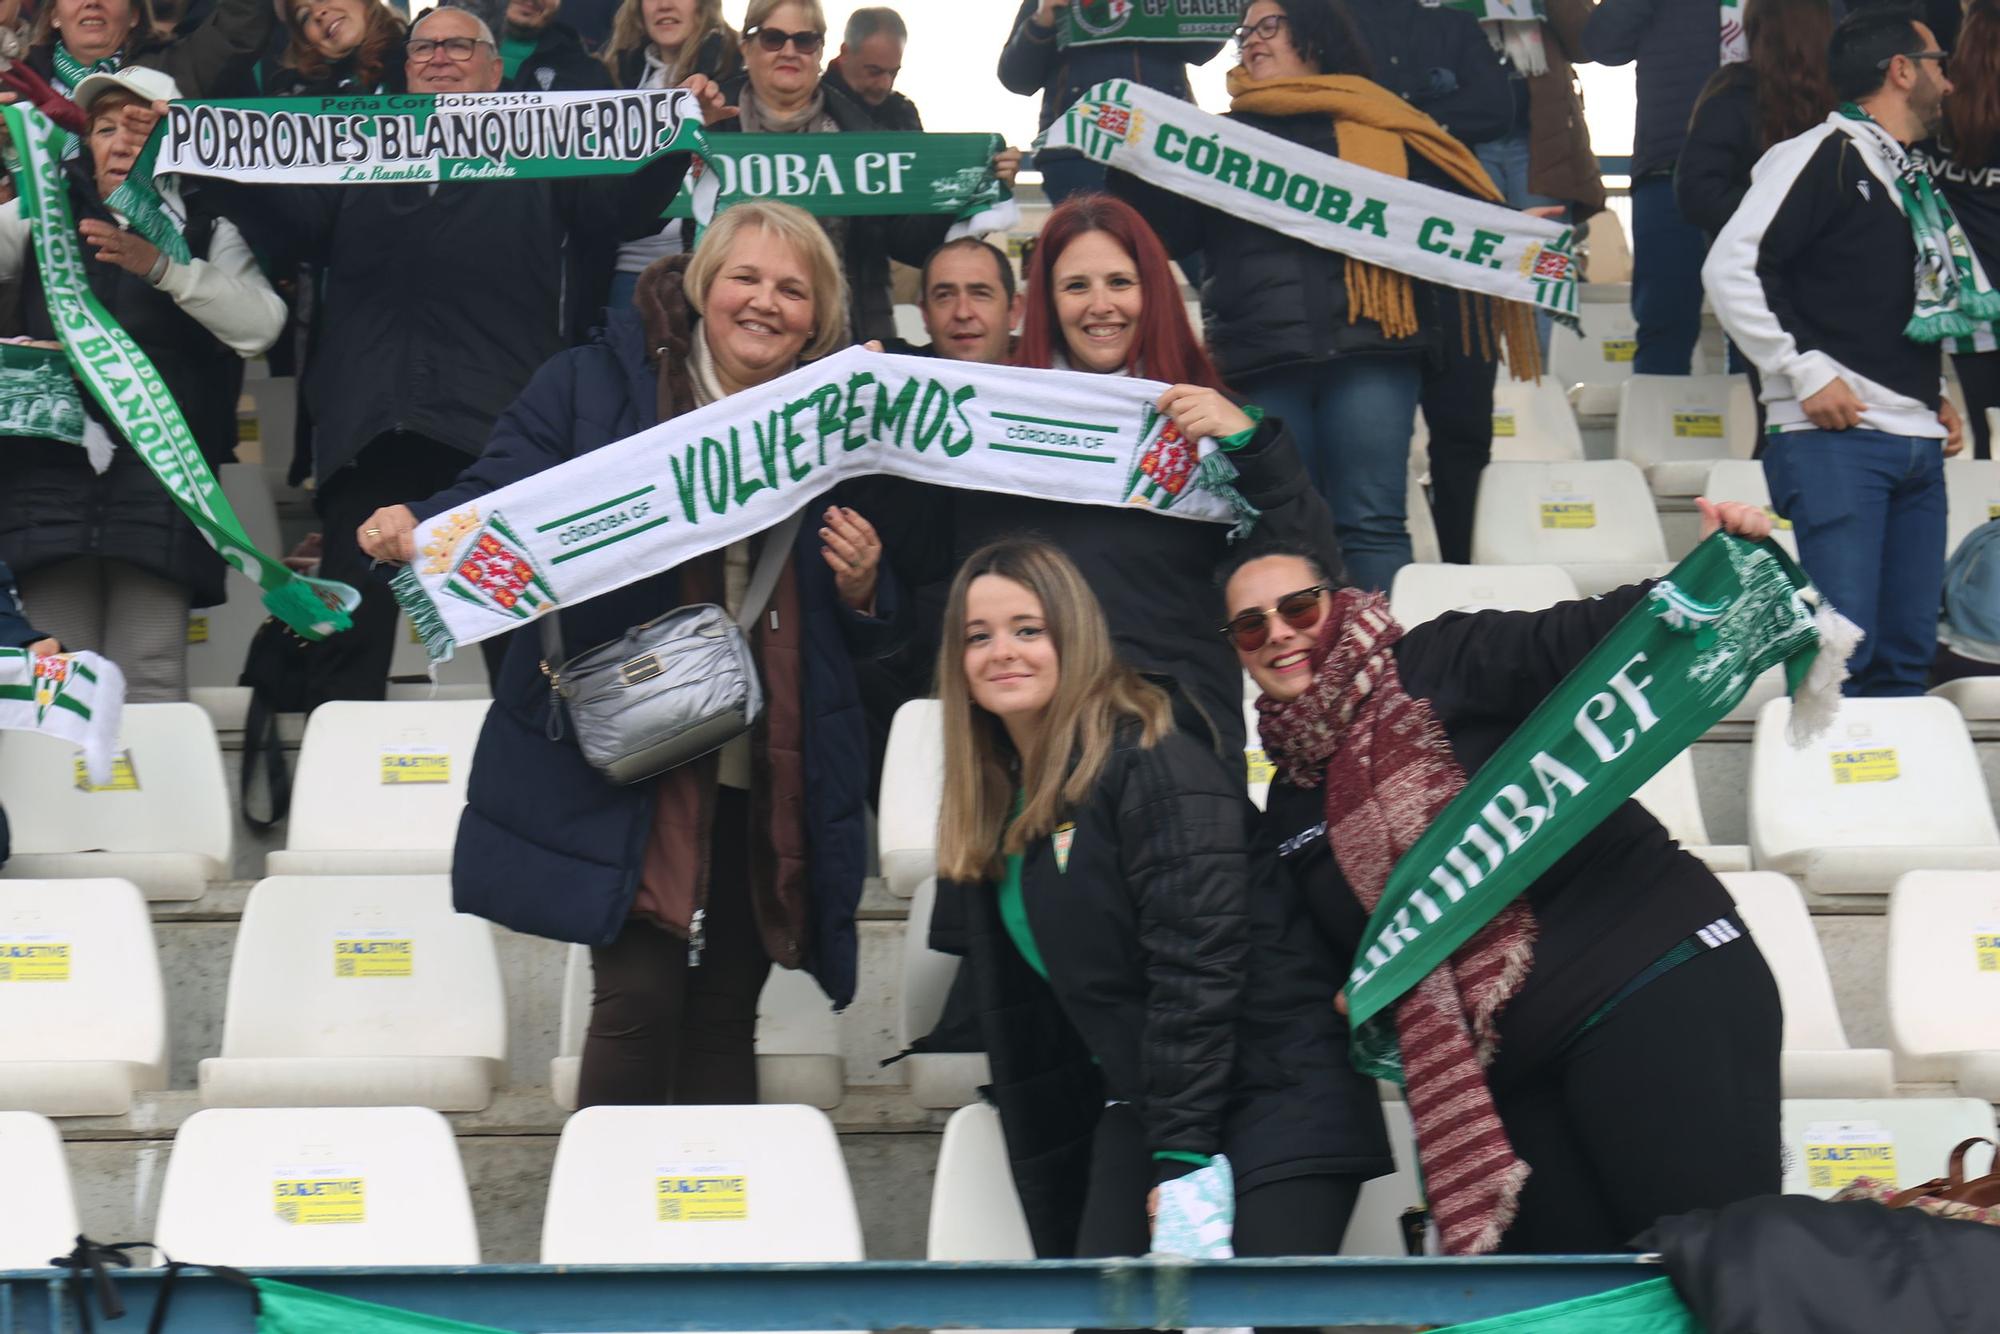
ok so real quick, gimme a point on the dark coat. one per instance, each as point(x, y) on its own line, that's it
point(560, 63)
point(218, 55)
point(869, 243)
point(16, 631)
point(1031, 63)
point(897, 112)
point(1270, 300)
point(1182, 978)
point(437, 309)
point(1561, 164)
point(1439, 61)
point(1678, 44)
point(53, 508)
point(1724, 141)
point(546, 844)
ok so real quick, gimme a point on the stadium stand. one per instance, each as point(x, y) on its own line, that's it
point(312, 1186)
point(1944, 978)
point(1594, 519)
point(912, 786)
point(1905, 1141)
point(1673, 798)
point(1676, 426)
point(39, 1221)
point(1977, 698)
point(1743, 479)
point(83, 1022)
point(937, 1079)
point(163, 822)
point(975, 1214)
point(1425, 592)
point(1972, 497)
point(1377, 1225)
point(359, 991)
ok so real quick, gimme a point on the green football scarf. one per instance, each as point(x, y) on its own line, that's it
point(70, 71)
point(401, 138)
point(38, 395)
point(1664, 675)
point(854, 175)
point(1510, 11)
point(1954, 299)
point(134, 398)
point(1094, 22)
point(1652, 1307)
point(285, 1308)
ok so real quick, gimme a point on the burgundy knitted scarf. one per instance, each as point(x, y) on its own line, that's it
point(1389, 772)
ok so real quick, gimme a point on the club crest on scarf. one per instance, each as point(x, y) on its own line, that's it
point(1099, 127)
point(52, 678)
point(1102, 18)
point(490, 566)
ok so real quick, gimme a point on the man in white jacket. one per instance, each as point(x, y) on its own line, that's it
point(1837, 278)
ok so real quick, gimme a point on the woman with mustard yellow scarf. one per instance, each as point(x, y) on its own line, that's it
point(1333, 346)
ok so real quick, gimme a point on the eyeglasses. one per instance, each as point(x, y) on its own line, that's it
point(1252, 630)
point(461, 49)
point(1266, 28)
point(774, 39)
point(1943, 58)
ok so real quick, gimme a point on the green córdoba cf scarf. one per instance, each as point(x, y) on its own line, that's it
point(135, 400)
point(739, 466)
point(1665, 674)
point(1094, 22)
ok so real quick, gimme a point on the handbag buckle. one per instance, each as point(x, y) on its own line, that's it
point(642, 668)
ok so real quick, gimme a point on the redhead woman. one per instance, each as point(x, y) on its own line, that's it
point(1149, 995)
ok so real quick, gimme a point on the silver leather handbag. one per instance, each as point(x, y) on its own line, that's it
point(670, 690)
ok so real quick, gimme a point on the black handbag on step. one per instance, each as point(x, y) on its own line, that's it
point(275, 671)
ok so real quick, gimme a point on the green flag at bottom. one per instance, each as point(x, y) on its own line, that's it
point(285, 1309)
point(1644, 1308)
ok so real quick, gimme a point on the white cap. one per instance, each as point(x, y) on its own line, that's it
point(148, 85)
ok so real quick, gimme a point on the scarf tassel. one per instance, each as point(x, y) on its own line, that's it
point(1816, 697)
point(1217, 475)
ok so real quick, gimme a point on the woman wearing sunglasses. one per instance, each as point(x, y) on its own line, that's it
point(1149, 995)
point(1630, 1027)
point(780, 92)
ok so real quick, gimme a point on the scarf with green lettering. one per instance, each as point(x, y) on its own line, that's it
point(1954, 299)
point(1441, 861)
point(1095, 22)
point(70, 71)
point(136, 401)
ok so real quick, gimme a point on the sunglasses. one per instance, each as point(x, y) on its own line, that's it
point(1252, 630)
point(774, 39)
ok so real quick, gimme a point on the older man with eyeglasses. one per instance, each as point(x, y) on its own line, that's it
point(438, 302)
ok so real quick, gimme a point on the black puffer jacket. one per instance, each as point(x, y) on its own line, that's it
point(1439, 61)
point(1271, 300)
point(1678, 44)
point(559, 64)
point(1032, 62)
point(1182, 978)
point(52, 506)
point(1724, 141)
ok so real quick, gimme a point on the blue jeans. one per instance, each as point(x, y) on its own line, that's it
point(1506, 161)
point(1666, 279)
point(1352, 418)
point(1869, 512)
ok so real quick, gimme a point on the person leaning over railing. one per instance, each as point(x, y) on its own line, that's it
point(1149, 993)
point(691, 884)
point(1628, 1026)
point(107, 559)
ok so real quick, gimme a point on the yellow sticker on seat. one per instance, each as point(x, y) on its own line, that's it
point(1259, 765)
point(1839, 1151)
point(124, 778)
point(1503, 423)
point(415, 764)
point(1874, 765)
point(1569, 512)
point(313, 1195)
point(1697, 426)
point(36, 958)
point(1985, 945)
point(701, 1193)
point(248, 432)
point(374, 954)
point(1619, 349)
point(1992, 510)
point(197, 629)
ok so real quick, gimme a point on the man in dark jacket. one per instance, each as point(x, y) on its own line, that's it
point(542, 54)
point(871, 56)
point(1677, 44)
point(440, 301)
point(1033, 62)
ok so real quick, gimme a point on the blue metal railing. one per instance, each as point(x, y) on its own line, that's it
point(1049, 1294)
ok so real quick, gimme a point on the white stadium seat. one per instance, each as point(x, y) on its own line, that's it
point(1425, 592)
point(1257, 765)
point(699, 1185)
point(1944, 977)
point(937, 1079)
point(1972, 497)
point(379, 788)
point(1676, 426)
point(219, 637)
point(1591, 364)
point(1532, 419)
point(164, 822)
point(39, 1222)
point(1377, 1226)
point(975, 1214)
point(798, 1038)
point(912, 787)
point(359, 991)
point(1594, 519)
point(1904, 1141)
point(1976, 697)
point(1817, 1062)
point(464, 677)
point(316, 1186)
point(1744, 480)
point(83, 1013)
point(1893, 786)
point(1675, 801)
point(1417, 514)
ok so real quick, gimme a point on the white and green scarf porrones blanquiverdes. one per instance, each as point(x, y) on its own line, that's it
point(722, 473)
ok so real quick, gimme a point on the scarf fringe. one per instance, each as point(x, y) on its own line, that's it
point(1217, 475)
point(1817, 700)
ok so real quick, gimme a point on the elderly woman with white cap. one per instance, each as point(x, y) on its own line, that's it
point(104, 556)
